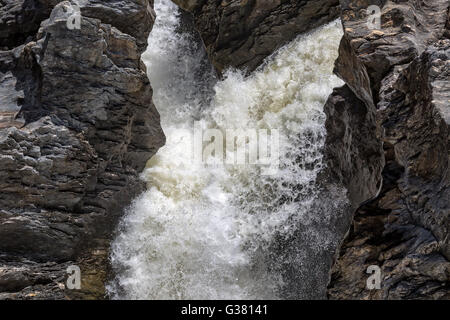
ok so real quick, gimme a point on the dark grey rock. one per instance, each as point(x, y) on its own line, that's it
point(401, 72)
point(77, 126)
point(354, 150)
point(242, 34)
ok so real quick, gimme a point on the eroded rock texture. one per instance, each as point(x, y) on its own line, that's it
point(242, 33)
point(77, 125)
point(21, 19)
point(400, 75)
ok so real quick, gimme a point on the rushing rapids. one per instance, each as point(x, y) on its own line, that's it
point(218, 231)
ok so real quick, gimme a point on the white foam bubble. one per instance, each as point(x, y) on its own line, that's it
point(199, 231)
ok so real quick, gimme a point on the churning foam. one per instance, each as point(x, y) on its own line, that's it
point(204, 232)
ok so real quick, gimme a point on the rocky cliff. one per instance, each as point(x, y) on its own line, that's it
point(399, 73)
point(77, 125)
point(241, 34)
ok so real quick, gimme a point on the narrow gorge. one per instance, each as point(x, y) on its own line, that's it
point(101, 107)
point(215, 231)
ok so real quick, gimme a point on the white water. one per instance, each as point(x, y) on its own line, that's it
point(204, 232)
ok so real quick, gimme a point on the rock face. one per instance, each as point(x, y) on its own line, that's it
point(400, 73)
point(77, 125)
point(354, 150)
point(242, 33)
point(21, 19)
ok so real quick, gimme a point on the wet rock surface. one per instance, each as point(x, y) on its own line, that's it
point(354, 151)
point(401, 73)
point(77, 125)
point(242, 34)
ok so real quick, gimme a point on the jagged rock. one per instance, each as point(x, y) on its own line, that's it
point(21, 19)
point(77, 126)
point(132, 17)
point(242, 34)
point(354, 151)
point(402, 72)
point(26, 280)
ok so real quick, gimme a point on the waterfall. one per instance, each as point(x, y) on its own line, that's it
point(220, 231)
